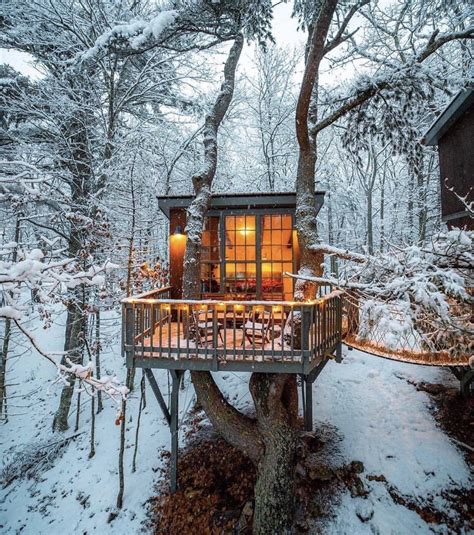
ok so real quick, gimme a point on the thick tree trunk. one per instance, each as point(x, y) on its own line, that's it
point(274, 489)
point(275, 459)
point(311, 258)
point(235, 427)
point(78, 163)
point(7, 336)
point(75, 329)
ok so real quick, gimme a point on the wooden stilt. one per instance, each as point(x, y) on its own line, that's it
point(174, 409)
point(466, 378)
point(308, 413)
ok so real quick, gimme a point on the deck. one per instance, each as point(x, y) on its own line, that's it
point(265, 336)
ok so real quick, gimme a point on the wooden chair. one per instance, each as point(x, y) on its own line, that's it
point(205, 327)
point(256, 328)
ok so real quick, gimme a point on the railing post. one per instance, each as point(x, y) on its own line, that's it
point(214, 338)
point(305, 328)
point(324, 333)
point(129, 321)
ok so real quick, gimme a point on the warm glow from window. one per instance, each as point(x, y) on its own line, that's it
point(246, 230)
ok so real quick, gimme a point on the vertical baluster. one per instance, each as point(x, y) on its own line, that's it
point(168, 317)
point(225, 332)
point(234, 331)
point(282, 330)
point(160, 323)
point(142, 326)
point(178, 329)
point(272, 332)
point(206, 337)
point(187, 327)
point(254, 315)
point(292, 331)
point(317, 328)
point(152, 327)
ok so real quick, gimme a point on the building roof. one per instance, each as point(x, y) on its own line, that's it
point(460, 103)
point(224, 201)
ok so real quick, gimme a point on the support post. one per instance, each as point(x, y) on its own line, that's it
point(174, 409)
point(339, 353)
point(308, 402)
point(467, 379)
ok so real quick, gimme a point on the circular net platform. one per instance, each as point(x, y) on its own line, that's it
point(386, 330)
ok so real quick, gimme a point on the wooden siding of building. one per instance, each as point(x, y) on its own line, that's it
point(176, 252)
point(456, 162)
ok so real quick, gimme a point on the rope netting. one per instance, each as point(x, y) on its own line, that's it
point(388, 330)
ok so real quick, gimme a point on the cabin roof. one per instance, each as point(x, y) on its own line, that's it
point(460, 103)
point(224, 201)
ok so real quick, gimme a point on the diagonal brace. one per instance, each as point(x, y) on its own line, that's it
point(158, 394)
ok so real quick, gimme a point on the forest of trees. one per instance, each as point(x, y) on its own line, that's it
point(128, 100)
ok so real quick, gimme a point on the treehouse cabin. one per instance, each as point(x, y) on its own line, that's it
point(248, 245)
point(246, 318)
point(453, 132)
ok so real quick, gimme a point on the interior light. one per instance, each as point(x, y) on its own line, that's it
point(178, 230)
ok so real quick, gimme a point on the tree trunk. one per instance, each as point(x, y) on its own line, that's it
point(235, 427)
point(7, 335)
point(382, 210)
point(273, 490)
point(311, 258)
point(275, 486)
point(78, 164)
point(370, 226)
point(75, 329)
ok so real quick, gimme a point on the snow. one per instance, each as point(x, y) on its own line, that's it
point(138, 32)
point(380, 417)
point(386, 423)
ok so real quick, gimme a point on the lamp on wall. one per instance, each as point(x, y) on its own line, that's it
point(178, 230)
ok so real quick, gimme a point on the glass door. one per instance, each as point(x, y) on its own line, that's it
point(240, 256)
point(276, 237)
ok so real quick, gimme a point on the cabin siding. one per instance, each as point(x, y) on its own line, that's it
point(176, 252)
point(456, 162)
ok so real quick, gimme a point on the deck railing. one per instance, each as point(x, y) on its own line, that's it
point(220, 332)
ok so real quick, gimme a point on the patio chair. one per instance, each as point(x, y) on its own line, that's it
point(256, 328)
point(205, 328)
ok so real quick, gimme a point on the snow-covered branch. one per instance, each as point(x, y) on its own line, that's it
point(425, 287)
point(108, 384)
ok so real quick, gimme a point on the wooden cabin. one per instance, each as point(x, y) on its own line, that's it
point(246, 319)
point(453, 132)
point(248, 245)
point(243, 317)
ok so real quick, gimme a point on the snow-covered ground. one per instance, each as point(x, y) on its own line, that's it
point(380, 417)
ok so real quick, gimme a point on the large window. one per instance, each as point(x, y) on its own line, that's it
point(277, 257)
point(246, 256)
point(241, 256)
point(210, 257)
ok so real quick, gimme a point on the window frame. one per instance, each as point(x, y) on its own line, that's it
point(259, 214)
